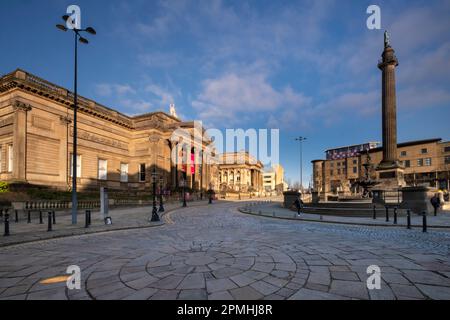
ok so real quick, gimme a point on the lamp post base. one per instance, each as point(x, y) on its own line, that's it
point(155, 216)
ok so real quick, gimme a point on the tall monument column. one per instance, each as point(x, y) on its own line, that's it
point(389, 105)
point(390, 172)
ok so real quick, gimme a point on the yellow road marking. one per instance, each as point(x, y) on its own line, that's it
point(57, 279)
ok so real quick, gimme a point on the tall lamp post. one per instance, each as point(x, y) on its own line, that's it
point(300, 140)
point(161, 205)
point(154, 139)
point(78, 37)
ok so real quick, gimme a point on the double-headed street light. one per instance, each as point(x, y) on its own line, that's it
point(78, 37)
point(300, 140)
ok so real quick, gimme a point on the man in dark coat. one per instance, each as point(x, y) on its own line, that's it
point(298, 203)
point(436, 203)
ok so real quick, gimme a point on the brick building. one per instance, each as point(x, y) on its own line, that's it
point(425, 162)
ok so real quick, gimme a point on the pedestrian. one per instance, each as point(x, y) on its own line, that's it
point(298, 203)
point(436, 203)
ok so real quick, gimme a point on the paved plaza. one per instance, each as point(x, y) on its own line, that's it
point(216, 252)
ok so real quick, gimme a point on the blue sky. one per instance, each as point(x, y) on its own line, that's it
point(306, 67)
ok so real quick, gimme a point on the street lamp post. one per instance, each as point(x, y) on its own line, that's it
point(300, 140)
point(155, 216)
point(78, 37)
point(154, 139)
point(184, 192)
point(161, 205)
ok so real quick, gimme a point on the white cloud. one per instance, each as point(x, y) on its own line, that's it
point(233, 96)
point(106, 90)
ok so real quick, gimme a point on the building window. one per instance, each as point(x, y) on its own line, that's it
point(424, 151)
point(124, 172)
point(338, 164)
point(403, 154)
point(10, 158)
point(447, 160)
point(355, 170)
point(331, 172)
point(355, 161)
point(447, 149)
point(339, 171)
point(331, 165)
point(102, 169)
point(78, 165)
point(407, 163)
point(428, 162)
point(142, 172)
point(420, 162)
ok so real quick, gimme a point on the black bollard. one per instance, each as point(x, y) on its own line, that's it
point(90, 222)
point(387, 214)
point(49, 228)
point(54, 216)
point(435, 211)
point(395, 215)
point(408, 219)
point(86, 219)
point(424, 221)
point(29, 217)
point(40, 217)
point(17, 215)
point(6, 222)
point(374, 212)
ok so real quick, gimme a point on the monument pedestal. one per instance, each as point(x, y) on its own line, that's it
point(390, 179)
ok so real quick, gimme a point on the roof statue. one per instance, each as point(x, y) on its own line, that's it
point(172, 110)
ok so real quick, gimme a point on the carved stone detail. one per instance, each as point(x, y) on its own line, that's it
point(65, 120)
point(21, 106)
point(95, 138)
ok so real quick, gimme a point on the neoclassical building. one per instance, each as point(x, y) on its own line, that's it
point(114, 150)
point(239, 171)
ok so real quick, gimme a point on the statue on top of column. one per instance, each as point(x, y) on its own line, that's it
point(387, 39)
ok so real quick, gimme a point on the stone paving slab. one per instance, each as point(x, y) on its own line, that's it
point(122, 218)
point(275, 209)
point(216, 252)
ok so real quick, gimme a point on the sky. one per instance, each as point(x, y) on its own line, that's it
point(307, 68)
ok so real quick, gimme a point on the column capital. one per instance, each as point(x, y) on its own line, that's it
point(21, 106)
point(65, 120)
point(154, 138)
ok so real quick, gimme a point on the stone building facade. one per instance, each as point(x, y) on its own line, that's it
point(273, 179)
point(239, 171)
point(114, 150)
point(425, 162)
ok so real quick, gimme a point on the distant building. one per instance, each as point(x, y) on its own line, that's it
point(425, 162)
point(273, 179)
point(350, 151)
point(240, 171)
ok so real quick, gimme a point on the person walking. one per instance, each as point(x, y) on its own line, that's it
point(298, 203)
point(436, 203)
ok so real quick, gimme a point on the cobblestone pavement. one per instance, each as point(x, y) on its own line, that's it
point(215, 252)
point(275, 209)
point(123, 218)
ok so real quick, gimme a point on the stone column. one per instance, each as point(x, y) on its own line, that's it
point(19, 140)
point(389, 108)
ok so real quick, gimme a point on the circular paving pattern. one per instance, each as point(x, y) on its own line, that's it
point(214, 252)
